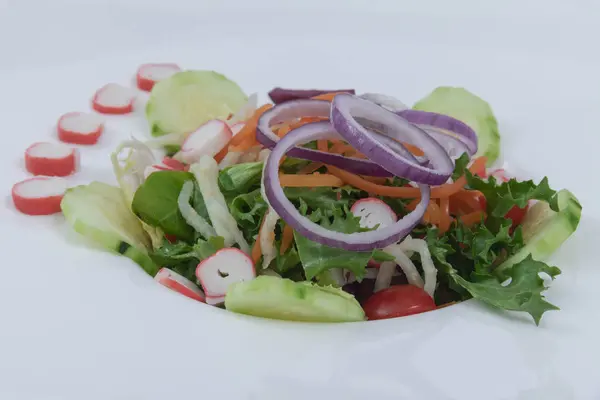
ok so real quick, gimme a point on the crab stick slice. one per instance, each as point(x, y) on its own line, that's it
point(174, 164)
point(39, 196)
point(154, 168)
point(178, 283)
point(113, 99)
point(51, 159)
point(209, 139)
point(80, 128)
point(224, 268)
point(149, 74)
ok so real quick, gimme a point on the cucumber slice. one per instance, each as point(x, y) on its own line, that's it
point(186, 100)
point(470, 109)
point(276, 298)
point(99, 212)
point(544, 230)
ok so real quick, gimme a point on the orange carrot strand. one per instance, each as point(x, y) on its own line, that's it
point(286, 239)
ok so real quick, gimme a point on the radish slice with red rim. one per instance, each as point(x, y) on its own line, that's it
point(39, 196)
point(80, 128)
point(360, 241)
point(113, 99)
point(224, 268)
point(174, 164)
point(148, 74)
point(179, 283)
point(345, 109)
point(208, 140)
point(51, 159)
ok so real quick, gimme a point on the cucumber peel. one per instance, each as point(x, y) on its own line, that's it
point(545, 230)
point(98, 211)
point(277, 298)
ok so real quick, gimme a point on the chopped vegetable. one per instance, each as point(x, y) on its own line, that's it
point(39, 196)
point(188, 99)
point(398, 301)
point(80, 128)
point(209, 139)
point(113, 99)
point(272, 297)
point(99, 212)
point(51, 159)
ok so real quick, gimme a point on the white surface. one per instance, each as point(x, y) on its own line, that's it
point(84, 324)
point(49, 150)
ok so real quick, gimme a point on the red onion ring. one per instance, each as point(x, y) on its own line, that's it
point(344, 111)
point(463, 132)
point(279, 95)
point(361, 241)
point(294, 109)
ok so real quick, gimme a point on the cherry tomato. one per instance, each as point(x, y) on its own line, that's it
point(398, 301)
point(517, 214)
point(171, 238)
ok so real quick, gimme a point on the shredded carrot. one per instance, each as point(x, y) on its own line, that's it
point(310, 168)
point(284, 130)
point(413, 149)
point(472, 218)
point(375, 179)
point(220, 155)
point(286, 239)
point(322, 145)
point(327, 96)
point(403, 192)
point(412, 205)
point(246, 137)
point(256, 251)
point(314, 180)
point(445, 219)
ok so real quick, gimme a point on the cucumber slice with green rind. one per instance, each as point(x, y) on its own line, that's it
point(98, 211)
point(277, 298)
point(544, 230)
point(186, 100)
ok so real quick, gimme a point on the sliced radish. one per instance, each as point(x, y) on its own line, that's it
point(236, 128)
point(209, 139)
point(225, 267)
point(178, 283)
point(80, 128)
point(174, 164)
point(39, 196)
point(373, 211)
point(148, 74)
point(113, 99)
point(51, 159)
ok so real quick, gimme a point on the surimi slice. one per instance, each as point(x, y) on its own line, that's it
point(113, 99)
point(174, 164)
point(224, 268)
point(208, 140)
point(80, 128)
point(149, 74)
point(39, 196)
point(180, 284)
point(51, 159)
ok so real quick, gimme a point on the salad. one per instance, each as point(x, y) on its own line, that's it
point(321, 205)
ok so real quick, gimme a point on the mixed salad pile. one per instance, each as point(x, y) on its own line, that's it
point(322, 205)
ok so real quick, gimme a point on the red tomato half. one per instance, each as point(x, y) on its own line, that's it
point(517, 214)
point(398, 301)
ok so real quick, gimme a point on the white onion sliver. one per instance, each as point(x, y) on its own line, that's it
point(267, 236)
point(429, 270)
point(407, 266)
point(190, 215)
point(389, 102)
point(231, 158)
point(206, 172)
point(384, 275)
